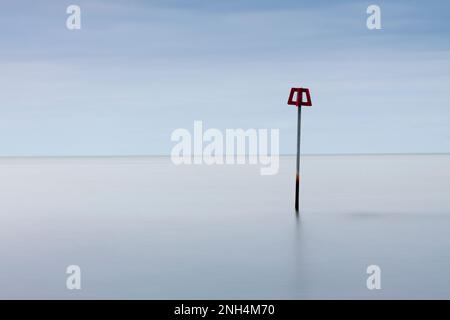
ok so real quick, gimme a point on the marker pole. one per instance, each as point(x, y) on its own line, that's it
point(297, 178)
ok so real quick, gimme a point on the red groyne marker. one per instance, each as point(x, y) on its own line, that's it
point(296, 99)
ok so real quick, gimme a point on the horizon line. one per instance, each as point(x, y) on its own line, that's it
point(246, 155)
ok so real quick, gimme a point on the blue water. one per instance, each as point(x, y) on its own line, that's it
point(144, 228)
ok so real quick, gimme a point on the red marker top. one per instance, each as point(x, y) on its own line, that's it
point(299, 98)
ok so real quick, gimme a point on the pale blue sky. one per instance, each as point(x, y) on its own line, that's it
point(137, 70)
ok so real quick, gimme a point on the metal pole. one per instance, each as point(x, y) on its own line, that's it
point(297, 178)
